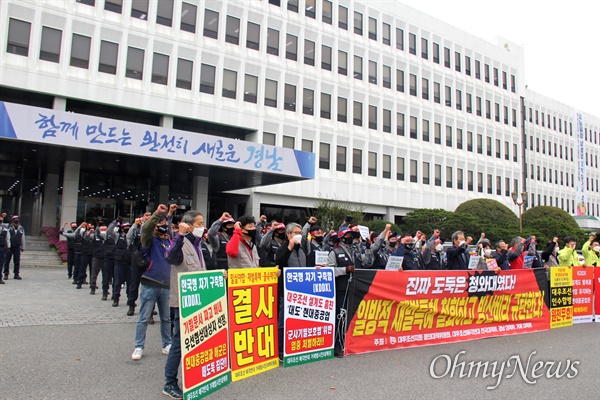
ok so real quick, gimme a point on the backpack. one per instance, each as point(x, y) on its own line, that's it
point(139, 258)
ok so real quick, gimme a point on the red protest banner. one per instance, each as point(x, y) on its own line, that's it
point(597, 293)
point(390, 310)
point(253, 321)
point(583, 294)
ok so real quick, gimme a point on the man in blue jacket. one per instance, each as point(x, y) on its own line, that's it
point(155, 281)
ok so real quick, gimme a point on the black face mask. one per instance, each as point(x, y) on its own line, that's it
point(409, 246)
point(229, 231)
point(251, 233)
point(280, 235)
point(162, 229)
point(16, 221)
point(73, 227)
point(318, 239)
point(392, 244)
point(348, 240)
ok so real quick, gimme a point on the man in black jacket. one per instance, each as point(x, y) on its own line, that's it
point(457, 255)
point(70, 235)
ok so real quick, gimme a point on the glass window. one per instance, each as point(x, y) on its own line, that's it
point(307, 145)
point(457, 59)
point(489, 145)
point(291, 47)
point(387, 121)
point(342, 63)
point(232, 30)
point(358, 67)
point(135, 63)
point(326, 58)
point(372, 117)
point(487, 72)
point(310, 10)
point(479, 143)
point(357, 113)
point(250, 88)
point(188, 17)
point(387, 167)
point(325, 106)
point(270, 93)
point(437, 133)
point(87, 2)
point(80, 52)
point(448, 136)
point(413, 127)
point(211, 24)
point(269, 138)
point(324, 155)
point(160, 69)
point(448, 97)
point(50, 46)
point(480, 182)
point(399, 39)
point(207, 79)
point(459, 178)
point(424, 49)
point(425, 133)
point(372, 72)
point(478, 105)
point(387, 77)
point(495, 76)
point(386, 35)
point(400, 80)
point(342, 109)
point(253, 36)
point(489, 183)
point(356, 161)
point(18, 37)
point(504, 80)
point(184, 73)
point(273, 42)
point(289, 97)
point(372, 164)
point(459, 139)
point(113, 6)
point(309, 52)
point(436, 53)
point(340, 159)
point(399, 168)
point(400, 124)
point(446, 57)
point(108, 57)
point(468, 65)
point(358, 21)
point(229, 84)
point(288, 142)
point(469, 141)
point(425, 173)
point(164, 12)
point(436, 93)
point(425, 89)
point(437, 174)
point(412, 43)
point(477, 69)
point(470, 181)
point(343, 17)
point(513, 83)
point(139, 9)
point(372, 28)
point(413, 85)
point(448, 177)
point(292, 5)
point(308, 101)
point(327, 12)
point(458, 99)
point(469, 103)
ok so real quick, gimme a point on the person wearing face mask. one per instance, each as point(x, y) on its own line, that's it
point(381, 247)
point(519, 248)
point(122, 257)
point(241, 249)
point(155, 282)
point(590, 251)
point(501, 255)
point(219, 234)
point(98, 238)
point(318, 242)
point(16, 240)
point(412, 256)
point(108, 268)
point(4, 244)
point(432, 254)
point(70, 236)
point(87, 249)
point(457, 254)
point(270, 243)
point(568, 255)
point(550, 254)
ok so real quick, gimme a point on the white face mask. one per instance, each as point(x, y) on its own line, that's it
point(116, 230)
point(439, 247)
point(556, 249)
point(298, 238)
point(597, 249)
point(487, 252)
point(103, 234)
point(461, 242)
point(198, 232)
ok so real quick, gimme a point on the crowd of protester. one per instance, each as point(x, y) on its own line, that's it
point(142, 260)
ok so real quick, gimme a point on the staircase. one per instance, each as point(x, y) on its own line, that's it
point(38, 254)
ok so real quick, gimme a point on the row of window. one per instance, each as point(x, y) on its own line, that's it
point(386, 39)
point(590, 159)
point(546, 120)
point(565, 204)
point(546, 175)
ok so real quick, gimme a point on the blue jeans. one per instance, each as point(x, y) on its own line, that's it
point(174, 358)
point(150, 295)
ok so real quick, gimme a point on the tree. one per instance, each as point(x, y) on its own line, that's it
point(378, 225)
point(331, 213)
point(547, 222)
point(489, 212)
point(427, 220)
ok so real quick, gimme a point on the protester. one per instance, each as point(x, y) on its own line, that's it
point(411, 254)
point(568, 255)
point(318, 242)
point(122, 257)
point(380, 248)
point(501, 255)
point(97, 256)
point(155, 281)
point(433, 253)
point(457, 254)
point(70, 236)
point(270, 243)
point(219, 235)
point(519, 248)
point(590, 251)
point(241, 249)
point(16, 241)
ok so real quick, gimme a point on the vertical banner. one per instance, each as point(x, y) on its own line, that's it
point(597, 293)
point(204, 334)
point(583, 294)
point(309, 300)
point(561, 297)
point(253, 321)
point(390, 310)
point(580, 185)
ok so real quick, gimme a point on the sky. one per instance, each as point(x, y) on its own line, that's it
point(557, 37)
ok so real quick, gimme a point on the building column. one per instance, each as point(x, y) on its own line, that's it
point(162, 195)
point(389, 214)
point(200, 196)
point(253, 206)
point(70, 192)
point(50, 206)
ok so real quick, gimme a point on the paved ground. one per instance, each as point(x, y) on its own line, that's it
point(57, 342)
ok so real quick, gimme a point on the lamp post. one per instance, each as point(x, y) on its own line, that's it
point(520, 204)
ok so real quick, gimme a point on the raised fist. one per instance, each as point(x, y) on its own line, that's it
point(225, 216)
point(183, 228)
point(312, 220)
point(161, 209)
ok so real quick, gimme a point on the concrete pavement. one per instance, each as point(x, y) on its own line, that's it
point(57, 342)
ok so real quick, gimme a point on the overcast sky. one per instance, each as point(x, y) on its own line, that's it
point(561, 41)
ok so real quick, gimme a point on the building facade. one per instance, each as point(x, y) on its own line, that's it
point(401, 110)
